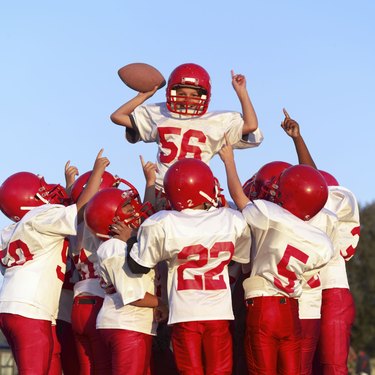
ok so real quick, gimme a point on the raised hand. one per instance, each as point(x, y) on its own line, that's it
point(290, 126)
point(70, 174)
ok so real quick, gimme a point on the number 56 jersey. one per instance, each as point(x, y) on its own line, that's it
point(197, 246)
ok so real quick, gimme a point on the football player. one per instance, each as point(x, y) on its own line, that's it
point(33, 255)
point(285, 251)
point(197, 240)
point(181, 126)
point(125, 321)
point(337, 304)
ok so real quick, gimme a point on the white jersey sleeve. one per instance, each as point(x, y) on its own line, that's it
point(343, 203)
point(197, 246)
point(34, 254)
point(284, 249)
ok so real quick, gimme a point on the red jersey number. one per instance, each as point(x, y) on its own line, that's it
point(211, 279)
point(16, 254)
point(290, 252)
point(180, 151)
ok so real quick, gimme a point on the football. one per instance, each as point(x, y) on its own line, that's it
point(141, 77)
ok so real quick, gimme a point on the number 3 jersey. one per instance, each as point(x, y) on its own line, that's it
point(181, 137)
point(33, 254)
point(197, 246)
point(285, 251)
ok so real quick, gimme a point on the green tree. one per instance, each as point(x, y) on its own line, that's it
point(361, 275)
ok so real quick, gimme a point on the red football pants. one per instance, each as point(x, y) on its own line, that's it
point(130, 351)
point(94, 356)
point(310, 329)
point(273, 336)
point(338, 313)
point(31, 342)
point(203, 347)
point(69, 356)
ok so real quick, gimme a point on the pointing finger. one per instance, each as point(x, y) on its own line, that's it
point(142, 160)
point(100, 153)
point(286, 113)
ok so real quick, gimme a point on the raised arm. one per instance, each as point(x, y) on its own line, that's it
point(149, 170)
point(70, 175)
point(122, 115)
point(233, 181)
point(93, 183)
point(248, 113)
point(291, 128)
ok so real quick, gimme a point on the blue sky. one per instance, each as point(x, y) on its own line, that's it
point(59, 82)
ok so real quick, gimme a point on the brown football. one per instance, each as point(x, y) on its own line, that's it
point(141, 77)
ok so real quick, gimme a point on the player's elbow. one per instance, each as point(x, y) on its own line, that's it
point(136, 267)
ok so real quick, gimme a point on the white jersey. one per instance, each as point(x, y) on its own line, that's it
point(343, 203)
point(33, 251)
point(116, 311)
point(197, 246)
point(85, 257)
point(179, 137)
point(285, 251)
point(310, 302)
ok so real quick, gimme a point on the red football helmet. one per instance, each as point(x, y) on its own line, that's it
point(191, 76)
point(189, 183)
point(106, 207)
point(302, 190)
point(330, 180)
point(108, 180)
point(263, 183)
point(23, 191)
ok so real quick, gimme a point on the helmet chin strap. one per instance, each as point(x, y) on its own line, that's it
point(211, 200)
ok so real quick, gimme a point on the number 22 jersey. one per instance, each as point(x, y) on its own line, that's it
point(197, 246)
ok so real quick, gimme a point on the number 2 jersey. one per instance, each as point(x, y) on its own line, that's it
point(180, 137)
point(285, 250)
point(33, 253)
point(197, 246)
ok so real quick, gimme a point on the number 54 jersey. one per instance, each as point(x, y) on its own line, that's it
point(197, 246)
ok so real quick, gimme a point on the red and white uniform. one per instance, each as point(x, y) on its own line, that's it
point(309, 304)
point(33, 252)
point(127, 330)
point(180, 137)
point(88, 299)
point(285, 251)
point(197, 246)
point(338, 310)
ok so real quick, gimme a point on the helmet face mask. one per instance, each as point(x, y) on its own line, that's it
point(23, 191)
point(189, 183)
point(189, 90)
point(262, 185)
